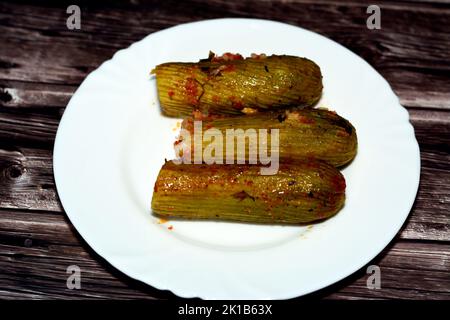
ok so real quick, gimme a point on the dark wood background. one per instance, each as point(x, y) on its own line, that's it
point(42, 63)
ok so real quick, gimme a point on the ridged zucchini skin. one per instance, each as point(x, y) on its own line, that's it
point(298, 193)
point(237, 86)
point(309, 133)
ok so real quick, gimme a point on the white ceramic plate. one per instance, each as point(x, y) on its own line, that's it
point(112, 141)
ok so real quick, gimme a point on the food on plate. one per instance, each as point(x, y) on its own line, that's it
point(308, 133)
point(258, 101)
point(300, 192)
point(231, 84)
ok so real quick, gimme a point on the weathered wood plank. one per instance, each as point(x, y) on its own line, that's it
point(42, 63)
point(430, 217)
point(412, 56)
point(27, 179)
point(43, 228)
point(37, 247)
point(33, 125)
point(400, 275)
point(29, 128)
point(20, 94)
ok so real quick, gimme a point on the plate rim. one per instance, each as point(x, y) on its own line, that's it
point(287, 294)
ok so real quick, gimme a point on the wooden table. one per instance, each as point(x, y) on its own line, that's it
point(42, 63)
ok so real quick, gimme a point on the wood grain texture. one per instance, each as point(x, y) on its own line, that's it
point(37, 247)
point(34, 95)
point(27, 179)
point(401, 276)
point(411, 49)
point(42, 63)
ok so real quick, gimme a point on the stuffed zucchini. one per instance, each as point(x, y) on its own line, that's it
point(299, 193)
point(308, 133)
point(231, 84)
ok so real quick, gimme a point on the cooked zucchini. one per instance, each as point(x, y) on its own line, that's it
point(233, 85)
point(298, 193)
point(308, 133)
